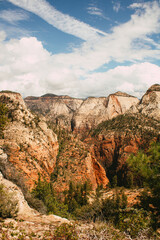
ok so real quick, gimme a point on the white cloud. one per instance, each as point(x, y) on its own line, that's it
point(93, 10)
point(2, 36)
point(134, 79)
point(13, 16)
point(116, 6)
point(12, 31)
point(59, 20)
point(131, 41)
point(26, 67)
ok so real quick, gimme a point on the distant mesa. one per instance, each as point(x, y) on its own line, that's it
point(49, 95)
point(31, 98)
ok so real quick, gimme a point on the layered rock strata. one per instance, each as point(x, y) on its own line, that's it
point(56, 109)
point(93, 111)
point(77, 114)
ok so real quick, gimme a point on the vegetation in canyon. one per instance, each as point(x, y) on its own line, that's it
point(86, 178)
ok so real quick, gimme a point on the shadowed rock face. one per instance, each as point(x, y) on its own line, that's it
point(77, 114)
point(116, 139)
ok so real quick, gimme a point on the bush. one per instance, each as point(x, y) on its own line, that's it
point(77, 196)
point(146, 167)
point(133, 221)
point(103, 210)
point(65, 232)
point(8, 206)
point(91, 212)
point(35, 203)
point(3, 117)
point(44, 192)
point(109, 209)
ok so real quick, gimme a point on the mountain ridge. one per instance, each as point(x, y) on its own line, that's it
point(31, 146)
point(68, 111)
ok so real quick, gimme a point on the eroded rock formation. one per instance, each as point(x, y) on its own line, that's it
point(31, 147)
point(56, 109)
point(93, 111)
point(80, 115)
point(150, 102)
point(118, 126)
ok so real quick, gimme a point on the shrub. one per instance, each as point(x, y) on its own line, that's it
point(65, 232)
point(45, 193)
point(91, 212)
point(147, 167)
point(3, 117)
point(8, 206)
point(35, 203)
point(133, 221)
point(109, 209)
point(77, 196)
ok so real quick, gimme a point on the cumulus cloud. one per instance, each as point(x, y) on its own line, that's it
point(26, 67)
point(59, 20)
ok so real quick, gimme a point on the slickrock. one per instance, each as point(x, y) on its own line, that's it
point(90, 114)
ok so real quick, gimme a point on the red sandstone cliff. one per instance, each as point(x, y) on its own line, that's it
point(28, 145)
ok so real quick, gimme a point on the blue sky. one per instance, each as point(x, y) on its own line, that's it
point(79, 48)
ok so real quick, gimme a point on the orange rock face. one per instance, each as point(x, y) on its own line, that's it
point(76, 163)
point(100, 174)
point(112, 152)
point(109, 149)
point(31, 147)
